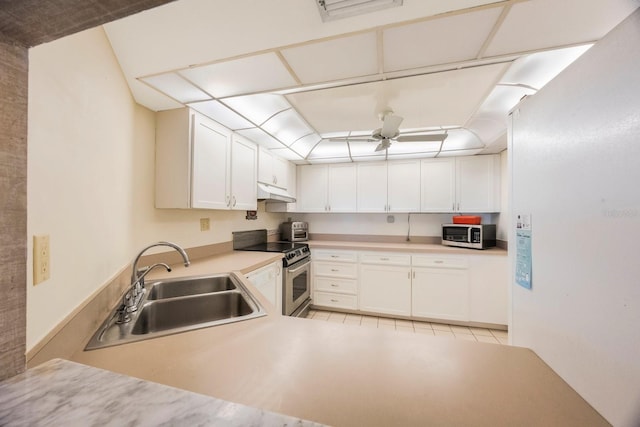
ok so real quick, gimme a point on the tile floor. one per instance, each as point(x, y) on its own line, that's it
point(412, 326)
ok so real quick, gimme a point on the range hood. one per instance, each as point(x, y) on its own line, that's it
point(274, 194)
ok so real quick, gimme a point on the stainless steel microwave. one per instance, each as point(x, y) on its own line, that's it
point(469, 236)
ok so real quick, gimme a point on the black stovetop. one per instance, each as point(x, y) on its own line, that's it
point(283, 247)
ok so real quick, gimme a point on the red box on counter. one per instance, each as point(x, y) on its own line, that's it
point(466, 219)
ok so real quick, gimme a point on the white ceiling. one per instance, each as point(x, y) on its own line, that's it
point(276, 73)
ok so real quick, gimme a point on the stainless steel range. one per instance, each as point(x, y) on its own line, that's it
point(296, 277)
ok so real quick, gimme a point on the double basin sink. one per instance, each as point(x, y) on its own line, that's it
point(177, 305)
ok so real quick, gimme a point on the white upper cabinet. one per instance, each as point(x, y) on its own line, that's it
point(478, 183)
point(403, 186)
point(272, 170)
point(312, 188)
point(453, 184)
point(244, 155)
point(389, 186)
point(327, 188)
point(438, 189)
point(341, 195)
point(461, 184)
point(291, 188)
point(195, 162)
point(372, 187)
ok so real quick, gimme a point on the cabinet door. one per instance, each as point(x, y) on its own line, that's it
point(489, 289)
point(478, 184)
point(210, 186)
point(440, 293)
point(438, 187)
point(265, 166)
point(403, 186)
point(280, 169)
point(312, 188)
point(385, 289)
point(268, 281)
point(244, 155)
point(342, 188)
point(372, 187)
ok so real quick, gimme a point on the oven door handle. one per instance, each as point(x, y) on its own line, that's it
point(299, 268)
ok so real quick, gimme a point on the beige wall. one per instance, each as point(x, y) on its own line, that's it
point(90, 178)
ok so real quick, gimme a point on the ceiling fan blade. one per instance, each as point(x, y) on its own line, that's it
point(384, 144)
point(352, 139)
point(390, 125)
point(422, 138)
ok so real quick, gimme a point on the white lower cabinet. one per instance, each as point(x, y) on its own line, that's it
point(489, 289)
point(335, 279)
point(385, 283)
point(440, 288)
point(268, 280)
point(448, 287)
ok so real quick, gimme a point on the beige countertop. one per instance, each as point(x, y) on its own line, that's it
point(402, 247)
point(346, 375)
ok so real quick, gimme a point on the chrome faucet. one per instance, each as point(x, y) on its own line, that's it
point(132, 298)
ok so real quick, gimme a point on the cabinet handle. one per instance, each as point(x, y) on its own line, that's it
point(438, 262)
point(335, 256)
point(409, 275)
point(227, 200)
point(384, 259)
point(414, 275)
point(334, 285)
point(334, 270)
point(334, 300)
point(329, 208)
point(234, 202)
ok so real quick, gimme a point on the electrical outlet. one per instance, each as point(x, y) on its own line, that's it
point(205, 224)
point(41, 255)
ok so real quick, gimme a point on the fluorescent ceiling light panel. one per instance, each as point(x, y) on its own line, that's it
point(459, 153)
point(414, 147)
point(287, 154)
point(260, 137)
point(411, 156)
point(501, 100)
point(245, 75)
point(221, 114)
point(258, 108)
point(438, 41)
point(306, 144)
point(336, 59)
point(538, 69)
point(461, 139)
point(487, 129)
point(329, 149)
point(363, 148)
point(330, 160)
point(287, 126)
point(176, 87)
point(337, 9)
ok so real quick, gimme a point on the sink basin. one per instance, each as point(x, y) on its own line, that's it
point(180, 312)
point(190, 286)
point(180, 305)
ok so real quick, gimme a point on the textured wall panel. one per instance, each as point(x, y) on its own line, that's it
point(13, 207)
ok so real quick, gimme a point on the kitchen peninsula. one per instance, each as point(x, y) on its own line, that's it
point(348, 376)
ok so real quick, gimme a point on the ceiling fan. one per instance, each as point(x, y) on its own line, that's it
point(390, 131)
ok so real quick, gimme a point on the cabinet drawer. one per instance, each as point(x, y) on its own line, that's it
point(385, 259)
point(327, 299)
point(342, 256)
point(439, 262)
point(343, 286)
point(349, 271)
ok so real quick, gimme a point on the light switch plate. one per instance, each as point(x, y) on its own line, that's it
point(41, 264)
